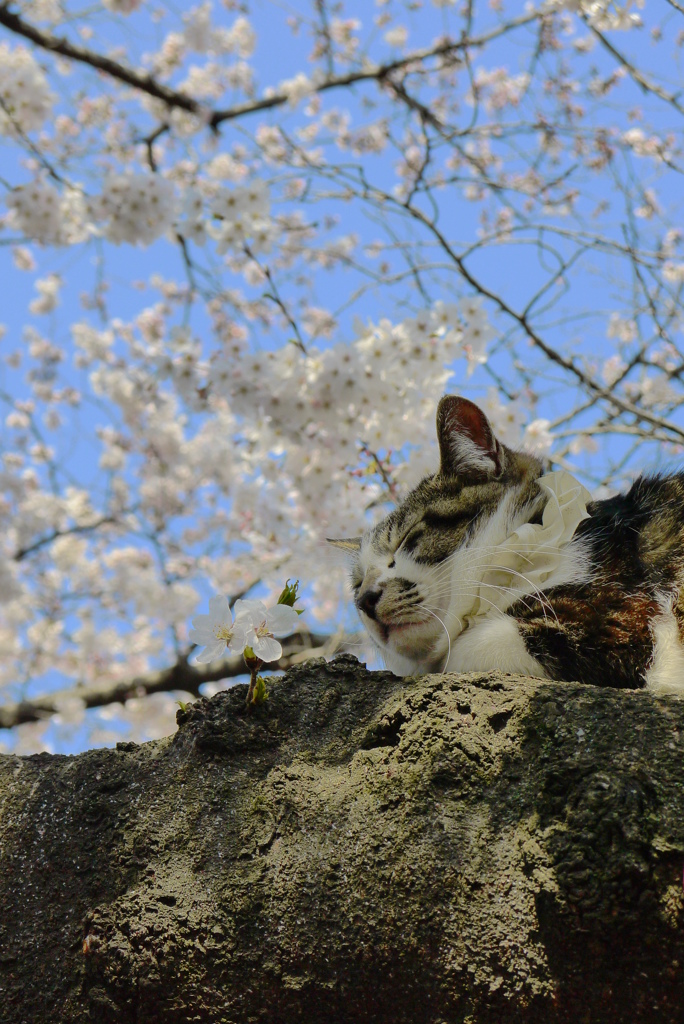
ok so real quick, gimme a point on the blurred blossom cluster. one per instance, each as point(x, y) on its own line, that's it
point(26, 99)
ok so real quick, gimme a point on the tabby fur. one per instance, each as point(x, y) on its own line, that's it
point(610, 613)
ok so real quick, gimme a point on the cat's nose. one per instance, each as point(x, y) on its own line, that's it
point(368, 600)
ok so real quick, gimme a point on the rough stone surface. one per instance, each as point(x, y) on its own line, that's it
point(478, 849)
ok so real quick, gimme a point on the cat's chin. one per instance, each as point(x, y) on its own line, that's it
point(404, 641)
point(407, 665)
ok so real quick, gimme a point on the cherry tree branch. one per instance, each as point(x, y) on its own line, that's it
point(181, 676)
point(173, 98)
point(58, 44)
point(42, 542)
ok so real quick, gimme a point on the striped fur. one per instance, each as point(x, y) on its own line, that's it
point(610, 614)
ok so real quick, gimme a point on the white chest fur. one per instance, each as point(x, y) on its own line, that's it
point(494, 644)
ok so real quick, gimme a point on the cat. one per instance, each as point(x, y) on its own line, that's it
point(496, 563)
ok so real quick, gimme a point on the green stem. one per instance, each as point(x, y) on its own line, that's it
point(253, 664)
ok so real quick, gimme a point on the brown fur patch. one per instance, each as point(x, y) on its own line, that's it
point(598, 635)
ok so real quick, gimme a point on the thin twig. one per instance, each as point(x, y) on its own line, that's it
point(274, 296)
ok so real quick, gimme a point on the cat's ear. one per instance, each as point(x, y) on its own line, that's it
point(352, 545)
point(467, 445)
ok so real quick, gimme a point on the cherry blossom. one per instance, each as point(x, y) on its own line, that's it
point(26, 99)
point(261, 625)
point(216, 632)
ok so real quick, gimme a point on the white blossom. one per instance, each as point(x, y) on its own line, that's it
point(612, 369)
point(262, 625)
point(48, 291)
point(241, 37)
point(198, 30)
point(216, 632)
point(122, 6)
point(538, 437)
point(396, 36)
point(26, 100)
point(622, 328)
point(23, 258)
point(297, 88)
point(602, 14)
point(673, 272)
point(36, 211)
point(136, 208)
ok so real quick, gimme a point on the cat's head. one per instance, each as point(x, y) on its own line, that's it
point(414, 574)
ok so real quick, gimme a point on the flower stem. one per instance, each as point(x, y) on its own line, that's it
point(253, 664)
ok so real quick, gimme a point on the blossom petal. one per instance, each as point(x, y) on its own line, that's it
point(250, 609)
point(245, 628)
point(202, 637)
point(202, 622)
point(266, 648)
point(238, 641)
point(219, 610)
point(281, 620)
point(211, 652)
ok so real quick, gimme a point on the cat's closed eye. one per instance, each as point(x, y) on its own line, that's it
point(410, 540)
point(448, 520)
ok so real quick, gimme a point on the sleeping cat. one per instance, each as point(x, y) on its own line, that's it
point(494, 562)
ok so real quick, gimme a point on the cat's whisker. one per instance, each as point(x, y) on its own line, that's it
point(515, 597)
point(474, 594)
point(484, 566)
point(506, 568)
point(544, 603)
point(436, 616)
point(492, 604)
point(445, 569)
